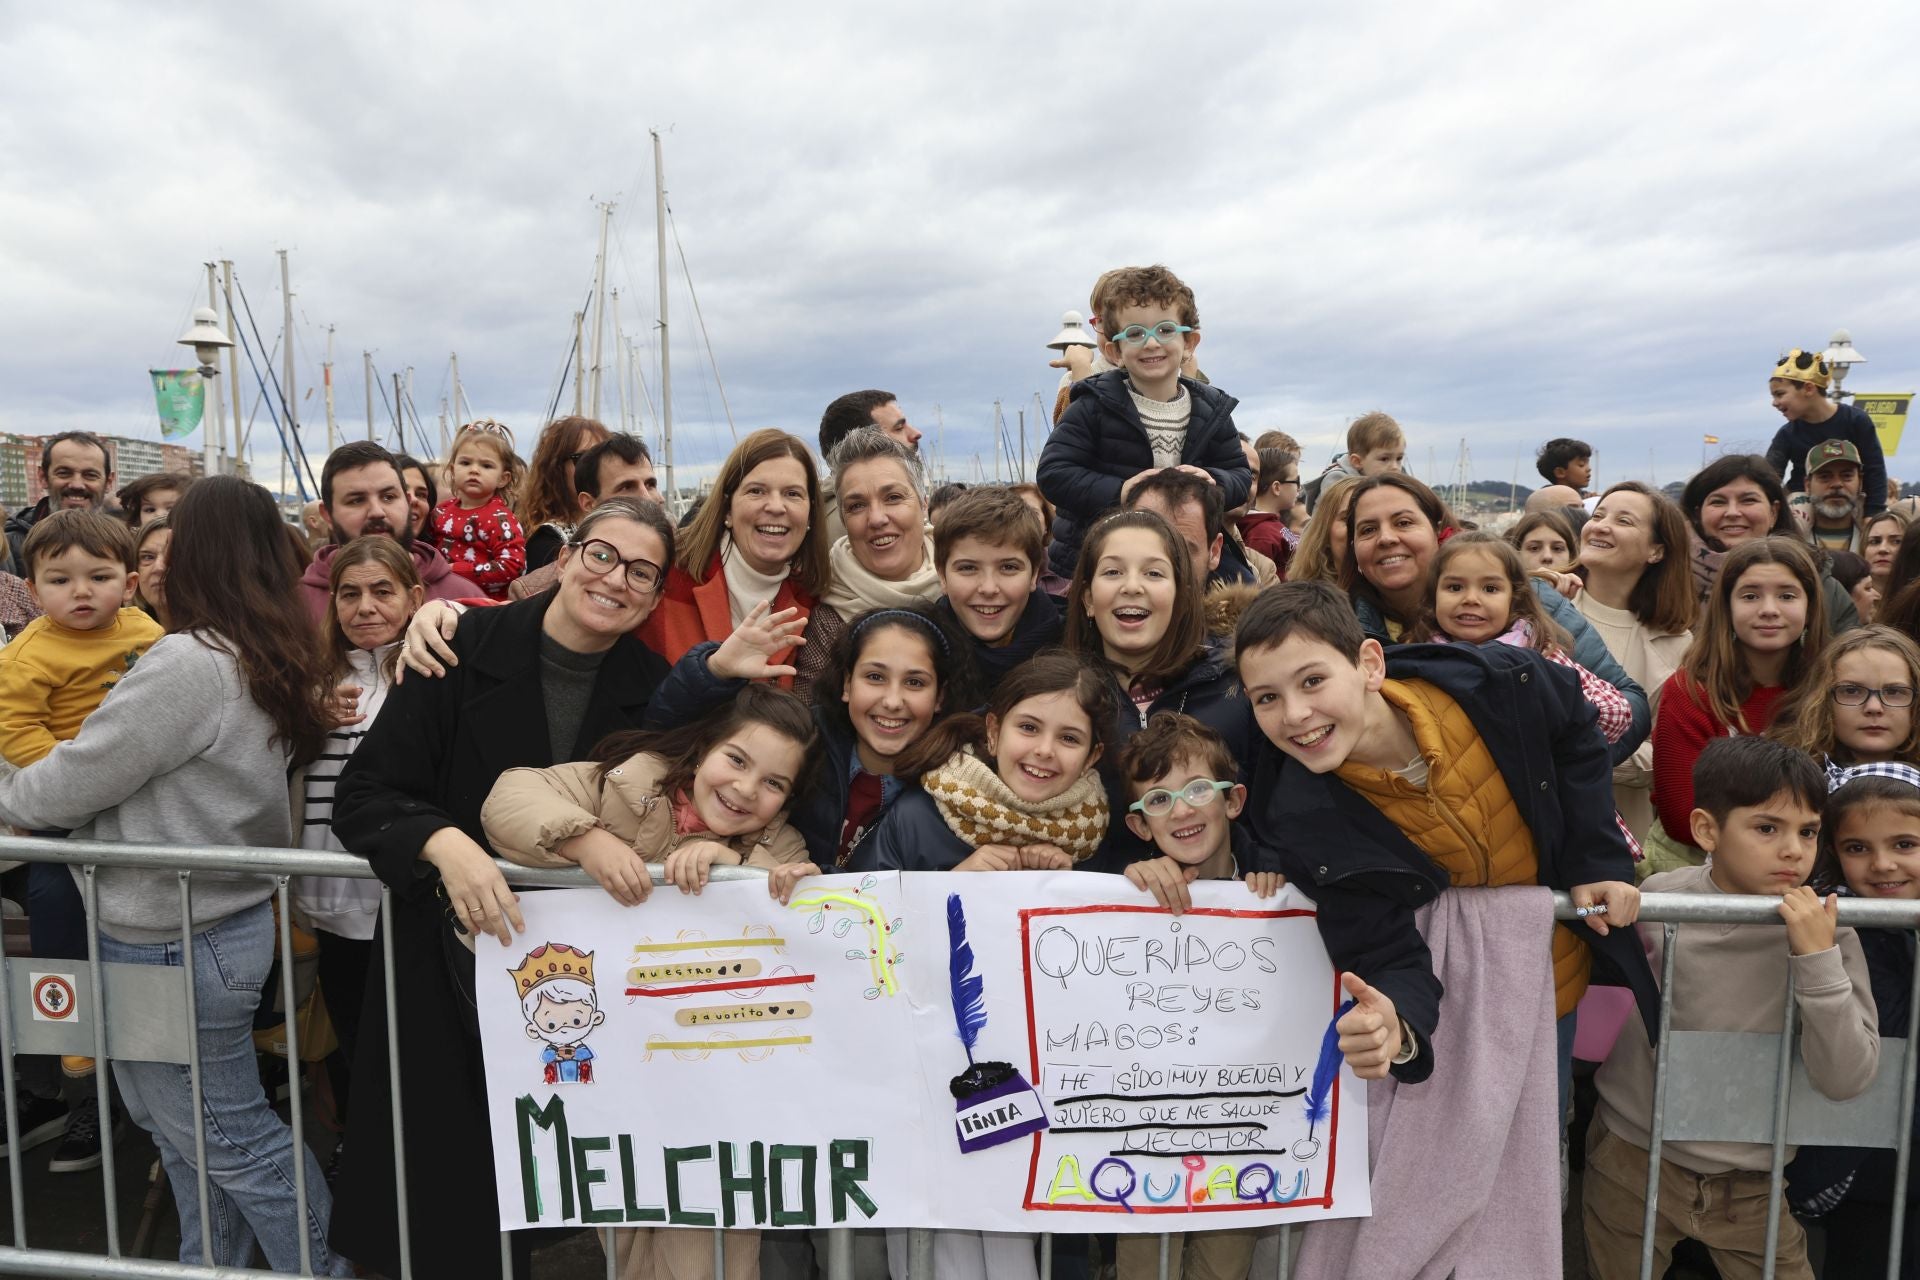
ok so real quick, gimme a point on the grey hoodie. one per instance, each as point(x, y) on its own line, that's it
point(179, 753)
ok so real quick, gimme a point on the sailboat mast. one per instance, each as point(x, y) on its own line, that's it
point(600, 304)
point(619, 365)
point(213, 420)
point(666, 371)
point(327, 370)
point(366, 376)
point(233, 376)
point(459, 414)
point(286, 351)
point(579, 365)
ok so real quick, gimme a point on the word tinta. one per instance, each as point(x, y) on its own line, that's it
point(763, 1181)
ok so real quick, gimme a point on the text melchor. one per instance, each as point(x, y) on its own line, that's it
point(758, 1172)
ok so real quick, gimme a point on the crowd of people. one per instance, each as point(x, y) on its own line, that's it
point(1168, 660)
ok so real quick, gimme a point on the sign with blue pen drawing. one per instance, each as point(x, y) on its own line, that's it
point(1007, 1052)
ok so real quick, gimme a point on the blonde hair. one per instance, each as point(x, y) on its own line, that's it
point(1313, 558)
point(495, 436)
point(1804, 718)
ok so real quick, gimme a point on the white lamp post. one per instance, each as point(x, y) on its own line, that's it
point(1841, 356)
point(1071, 334)
point(207, 340)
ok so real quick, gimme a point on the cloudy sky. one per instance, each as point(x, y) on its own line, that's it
point(1499, 222)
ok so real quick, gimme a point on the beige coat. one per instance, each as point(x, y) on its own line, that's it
point(532, 810)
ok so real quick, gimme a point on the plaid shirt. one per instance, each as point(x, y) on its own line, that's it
point(17, 608)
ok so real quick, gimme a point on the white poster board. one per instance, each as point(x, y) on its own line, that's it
point(722, 1060)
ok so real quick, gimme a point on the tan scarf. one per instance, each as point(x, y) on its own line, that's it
point(856, 589)
point(982, 809)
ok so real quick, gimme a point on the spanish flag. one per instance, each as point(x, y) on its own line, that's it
point(1711, 439)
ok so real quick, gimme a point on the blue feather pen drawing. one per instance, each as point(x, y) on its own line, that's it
point(1319, 1102)
point(993, 1103)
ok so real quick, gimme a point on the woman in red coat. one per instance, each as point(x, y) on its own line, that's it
point(760, 535)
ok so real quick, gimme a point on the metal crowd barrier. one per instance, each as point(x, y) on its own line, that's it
point(1794, 1112)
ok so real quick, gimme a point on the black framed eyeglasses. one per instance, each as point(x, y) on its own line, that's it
point(1848, 694)
point(603, 557)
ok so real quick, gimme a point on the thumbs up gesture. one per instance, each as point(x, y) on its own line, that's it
point(1370, 1032)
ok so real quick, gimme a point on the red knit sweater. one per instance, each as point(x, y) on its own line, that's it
point(1680, 732)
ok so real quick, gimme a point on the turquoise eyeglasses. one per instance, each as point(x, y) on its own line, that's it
point(1198, 794)
point(1136, 335)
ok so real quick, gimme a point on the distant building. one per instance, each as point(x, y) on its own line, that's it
point(21, 484)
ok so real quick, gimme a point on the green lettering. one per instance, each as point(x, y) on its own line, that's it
point(777, 1175)
point(675, 1214)
point(586, 1177)
point(634, 1212)
point(732, 1183)
point(552, 1116)
point(848, 1169)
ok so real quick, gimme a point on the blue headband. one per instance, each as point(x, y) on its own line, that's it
point(897, 615)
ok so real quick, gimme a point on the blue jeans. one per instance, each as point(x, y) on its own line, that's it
point(250, 1151)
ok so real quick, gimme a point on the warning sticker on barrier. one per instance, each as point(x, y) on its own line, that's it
point(54, 997)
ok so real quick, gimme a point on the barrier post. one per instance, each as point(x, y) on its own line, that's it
point(287, 995)
point(1776, 1173)
point(840, 1254)
point(1671, 938)
point(919, 1254)
point(195, 1095)
point(393, 1084)
point(1903, 1151)
point(102, 1067)
point(15, 1156)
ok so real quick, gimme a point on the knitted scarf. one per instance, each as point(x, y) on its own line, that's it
point(980, 808)
point(856, 588)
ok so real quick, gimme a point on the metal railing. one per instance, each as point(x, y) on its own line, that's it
point(18, 1258)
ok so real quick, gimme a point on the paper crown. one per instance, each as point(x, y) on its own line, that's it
point(1803, 366)
point(552, 960)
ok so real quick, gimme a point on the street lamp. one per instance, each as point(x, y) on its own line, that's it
point(1840, 356)
point(1071, 334)
point(208, 339)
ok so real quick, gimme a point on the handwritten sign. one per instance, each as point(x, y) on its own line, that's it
point(983, 1052)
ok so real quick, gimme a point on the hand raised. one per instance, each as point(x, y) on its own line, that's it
point(1370, 1031)
point(753, 650)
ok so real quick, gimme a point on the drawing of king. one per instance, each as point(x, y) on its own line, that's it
point(555, 983)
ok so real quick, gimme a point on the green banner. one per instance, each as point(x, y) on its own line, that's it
point(182, 396)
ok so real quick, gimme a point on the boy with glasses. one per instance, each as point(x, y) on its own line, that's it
point(1141, 416)
point(1180, 774)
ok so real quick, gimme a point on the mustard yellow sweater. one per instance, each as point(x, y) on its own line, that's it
point(53, 677)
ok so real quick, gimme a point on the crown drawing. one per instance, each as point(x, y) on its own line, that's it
point(552, 960)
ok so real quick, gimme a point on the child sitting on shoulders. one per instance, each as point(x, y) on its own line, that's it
point(1757, 813)
point(475, 526)
point(1183, 781)
point(715, 791)
point(1014, 789)
point(1855, 704)
point(1142, 415)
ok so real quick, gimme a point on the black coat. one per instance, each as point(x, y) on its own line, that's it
point(1100, 443)
point(914, 837)
point(427, 763)
point(1041, 624)
point(1368, 878)
point(691, 691)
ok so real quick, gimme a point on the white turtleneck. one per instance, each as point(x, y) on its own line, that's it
point(746, 585)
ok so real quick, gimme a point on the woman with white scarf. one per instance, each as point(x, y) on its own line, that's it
point(885, 559)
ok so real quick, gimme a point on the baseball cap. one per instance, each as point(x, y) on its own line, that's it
point(1831, 451)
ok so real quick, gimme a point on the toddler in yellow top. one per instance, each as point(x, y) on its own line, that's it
point(80, 569)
